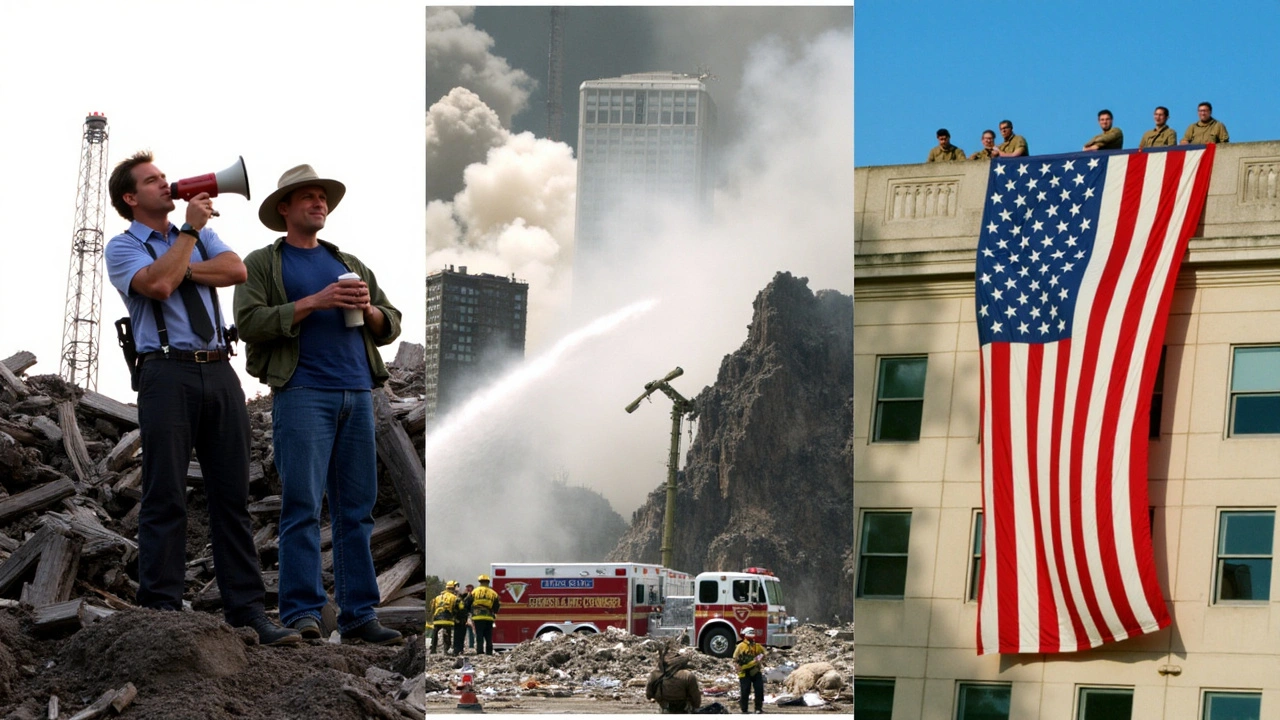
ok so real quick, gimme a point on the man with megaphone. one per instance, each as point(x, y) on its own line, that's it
point(312, 318)
point(188, 394)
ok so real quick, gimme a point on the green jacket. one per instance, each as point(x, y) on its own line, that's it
point(264, 317)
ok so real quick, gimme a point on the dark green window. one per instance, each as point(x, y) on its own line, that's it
point(983, 702)
point(1255, 391)
point(1105, 703)
point(882, 566)
point(873, 698)
point(1244, 554)
point(1232, 706)
point(900, 399)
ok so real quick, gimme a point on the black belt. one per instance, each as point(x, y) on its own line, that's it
point(199, 356)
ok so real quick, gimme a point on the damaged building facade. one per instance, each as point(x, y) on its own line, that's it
point(475, 328)
point(1214, 462)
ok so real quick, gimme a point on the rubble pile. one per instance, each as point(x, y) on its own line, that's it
point(613, 666)
point(70, 485)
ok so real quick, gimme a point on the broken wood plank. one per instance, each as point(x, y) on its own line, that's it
point(37, 498)
point(19, 362)
point(7, 377)
point(397, 575)
point(57, 618)
point(56, 572)
point(24, 434)
point(269, 505)
point(415, 421)
point(403, 465)
point(24, 558)
point(406, 591)
point(112, 600)
point(73, 442)
point(122, 453)
point(130, 484)
point(113, 410)
point(98, 708)
point(124, 697)
point(405, 618)
point(98, 538)
point(196, 475)
point(52, 713)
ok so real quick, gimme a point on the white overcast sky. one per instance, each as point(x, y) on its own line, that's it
point(337, 85)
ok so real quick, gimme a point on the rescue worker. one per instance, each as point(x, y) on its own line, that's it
point(748, 655)
point(483, 605)
point(460, 623)
point(442, 609)
point(673, 685)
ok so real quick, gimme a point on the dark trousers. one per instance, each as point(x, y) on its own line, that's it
point(459, 636)
point(484, 636)
point(185, 405)
point(744, 689)
point(447, 631)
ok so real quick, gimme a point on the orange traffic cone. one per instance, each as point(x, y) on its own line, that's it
point(468, 700)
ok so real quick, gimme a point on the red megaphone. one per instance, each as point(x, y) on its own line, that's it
point(234, 179)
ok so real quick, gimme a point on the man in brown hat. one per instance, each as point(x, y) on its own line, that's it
point(312, 331)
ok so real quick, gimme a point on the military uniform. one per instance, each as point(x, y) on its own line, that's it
point(1112, 139)
point(1013, 144)
point(947, 154)
point(673, 686)
point(1200, 133)
point(1163, 136)
point(983, 154)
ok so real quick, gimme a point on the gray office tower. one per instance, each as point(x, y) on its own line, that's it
point(475, 330)
point(642, 138)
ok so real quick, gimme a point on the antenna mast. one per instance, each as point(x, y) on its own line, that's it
point(81, 327)
point(555, 75)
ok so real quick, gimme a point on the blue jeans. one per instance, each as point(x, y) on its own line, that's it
point(324, 442)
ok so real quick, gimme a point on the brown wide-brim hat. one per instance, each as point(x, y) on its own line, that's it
point(292, 179)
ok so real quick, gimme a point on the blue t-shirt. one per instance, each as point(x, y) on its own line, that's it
point(332, 355)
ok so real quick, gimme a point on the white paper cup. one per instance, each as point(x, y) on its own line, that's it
point(353, 316)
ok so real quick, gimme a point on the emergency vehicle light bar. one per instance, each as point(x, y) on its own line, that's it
point(759, 571)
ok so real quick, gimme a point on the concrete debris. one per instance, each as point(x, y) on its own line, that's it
point(614, 666)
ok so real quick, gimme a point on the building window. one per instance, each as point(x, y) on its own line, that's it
point(1105, 703)
point(983, 701)
point(900, 399)
point(1244, 554)
point(1255, 391)
point(882, 564)
point(1232, 706)
point(975, 557)
point(873, 698)
point(1157, 397)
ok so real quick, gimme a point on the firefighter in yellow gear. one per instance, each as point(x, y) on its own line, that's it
point(748, 656)
point(483, 605)
point(442, 610)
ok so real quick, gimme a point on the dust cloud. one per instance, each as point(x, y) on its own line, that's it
point(784, 202)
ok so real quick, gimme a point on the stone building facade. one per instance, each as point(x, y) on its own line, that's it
point(1214, 465)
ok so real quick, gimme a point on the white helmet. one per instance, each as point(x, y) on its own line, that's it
point(749, 632)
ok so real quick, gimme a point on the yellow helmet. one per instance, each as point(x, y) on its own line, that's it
point(483, 578)
point(451, 584)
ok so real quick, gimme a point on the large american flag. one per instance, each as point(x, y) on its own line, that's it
point(1076, 264)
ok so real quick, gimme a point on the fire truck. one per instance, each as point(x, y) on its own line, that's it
point(643, 599)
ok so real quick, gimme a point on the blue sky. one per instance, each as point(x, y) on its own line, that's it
point(1051, 66)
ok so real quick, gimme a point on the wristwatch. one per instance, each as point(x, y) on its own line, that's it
point(186, 229)
point(187, 276)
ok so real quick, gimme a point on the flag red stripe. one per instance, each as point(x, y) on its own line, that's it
point(1003, 513)
point(1047, 604)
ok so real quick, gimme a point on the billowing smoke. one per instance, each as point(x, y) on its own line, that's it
point(461, 130)
point(458, 56)
point(514, 216)
point(785, 204)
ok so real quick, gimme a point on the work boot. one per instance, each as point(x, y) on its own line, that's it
point(270, 633)
point(373, 633)
point(307, 627)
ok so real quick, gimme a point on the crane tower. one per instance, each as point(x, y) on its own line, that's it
point(81, 327)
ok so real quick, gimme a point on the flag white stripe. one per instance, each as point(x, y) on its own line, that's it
point(1044, 464)
point(1024, 522)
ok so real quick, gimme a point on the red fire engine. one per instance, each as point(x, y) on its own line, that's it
point(642, 599)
